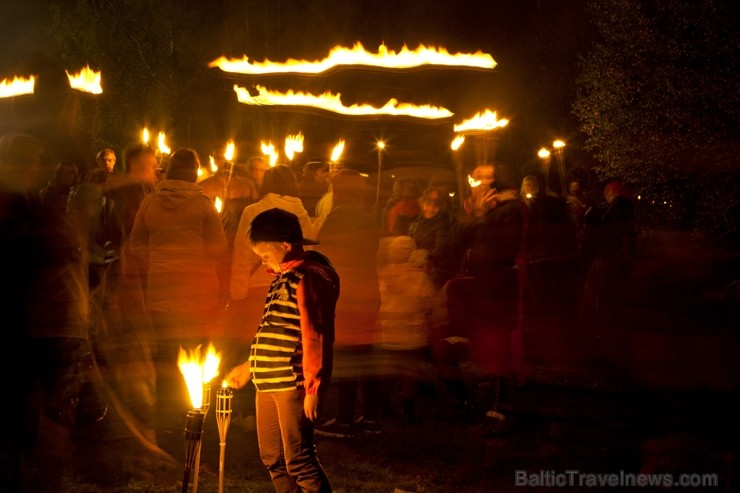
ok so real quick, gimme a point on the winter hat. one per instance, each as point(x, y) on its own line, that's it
point(184, 164)
point(348, 185)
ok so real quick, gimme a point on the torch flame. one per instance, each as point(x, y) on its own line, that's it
point(198, 369)
point(86, 80)
point(473, 182)
point(269, 150)
point(483, 121)
point(457, 142)
point(219, 204)
point(200, 172)
point(212, 162)
point(558, 144)
point(293, 144)
point(229, 152)
point(16, 87)
point(357, 55)
point(163, 147)
point(336, 153)
point(543, 153)
point(333, 102)
point(145, 136)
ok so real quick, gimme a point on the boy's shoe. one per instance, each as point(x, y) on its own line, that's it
point(332, 428)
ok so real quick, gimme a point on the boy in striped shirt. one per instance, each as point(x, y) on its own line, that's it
point(290, 360)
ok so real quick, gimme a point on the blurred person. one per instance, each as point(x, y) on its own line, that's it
point(248, 281)
point(55, 195)
point(257, 166)
point(232, 185)
point(484, 302)
point(431, 232)
point(46, 316)
point(290, 359)
point(179, 243)
point(106, 159)
point(350, 237)
point(103, 209)
point(314, 184)
point(125, 193)
point(407, 297)
point(401, 208)
point(611, 248)
point(485, 175)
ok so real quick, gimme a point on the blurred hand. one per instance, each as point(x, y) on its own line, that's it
point(239, 376)
point(311, 407)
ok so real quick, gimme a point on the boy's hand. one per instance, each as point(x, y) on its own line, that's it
point(311, 407)
point(239, 376)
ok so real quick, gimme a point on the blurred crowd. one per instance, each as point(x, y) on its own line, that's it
point(108, 270)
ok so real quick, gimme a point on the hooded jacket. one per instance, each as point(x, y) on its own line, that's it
point(178, 237)
point(246, 266)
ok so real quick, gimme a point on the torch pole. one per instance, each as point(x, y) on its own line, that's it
point(223, 418)
point(380, 170)
point(193, 436)
point(206, 405)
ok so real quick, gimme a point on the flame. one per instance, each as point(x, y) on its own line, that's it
point(200, 172)
point(229, 152)
point(219, 204)
point(332, 102)
point(269, 150)
point(529, 195)
point(145, 136)
point(457, 142)
point(17, 87)
point(212, 162)
point(558, 144)
point(543, 153)
point(336, 153)
point(198, 369)
point(293, 144)
point(163, 147)
point(86, 80)
point(357, 55)
point(473, 182)
point(485, 120)
point(381, 146)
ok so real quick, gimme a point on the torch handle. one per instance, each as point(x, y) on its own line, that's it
point(221, 462)
point(196, 470)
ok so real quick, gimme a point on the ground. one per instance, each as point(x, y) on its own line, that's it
point(666, 402)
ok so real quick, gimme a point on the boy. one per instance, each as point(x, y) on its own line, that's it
point(290, 360)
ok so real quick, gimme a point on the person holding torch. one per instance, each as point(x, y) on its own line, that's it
point(291, 356)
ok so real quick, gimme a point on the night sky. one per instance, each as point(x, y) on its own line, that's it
point(535, 43)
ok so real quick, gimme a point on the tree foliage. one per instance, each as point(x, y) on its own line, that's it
point(658, 103)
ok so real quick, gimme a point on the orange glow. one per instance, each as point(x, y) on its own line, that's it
point(457, 142)
point(543, 153)
point(293, 145)
point(219, 204)
point(198, 369)
point(269, 150)
point(558, 144)
point(163, 147)
point(381, 146)
point(229, 152)
point(357, 55)
point(483, 121)
point(212, 163)
point(17, 87)
point(200, 172)
point(145, 136)
point(473, 182)
point(86, 80)
point(333, 102)
point(336, 153)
